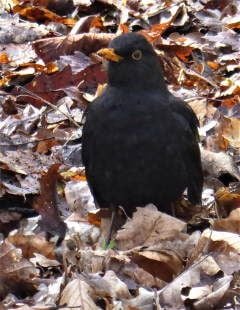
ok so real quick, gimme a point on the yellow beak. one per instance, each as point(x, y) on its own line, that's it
point(109, 54)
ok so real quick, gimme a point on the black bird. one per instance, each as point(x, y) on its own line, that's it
point(139, 143)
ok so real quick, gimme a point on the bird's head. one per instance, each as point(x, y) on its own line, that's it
point(132, 62)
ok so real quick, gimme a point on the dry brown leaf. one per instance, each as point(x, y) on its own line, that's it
point(163, 264)
point(29, 244)
point(130, 272)
point(235, 25)
point(47, 204)
point(17, 275)
point(230, 129)
point(155, 32)
point(227, 200)
point(51, 48)
point(147, 227)
point(41, 14)
point(77, 294)
point(231, 223)
point(92, 261)
point(9, 105)
point(230, 101)
point(46, 88)
point(182, 52)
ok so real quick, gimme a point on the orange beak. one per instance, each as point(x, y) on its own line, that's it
point(109, 54)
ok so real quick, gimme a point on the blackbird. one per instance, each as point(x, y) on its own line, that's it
point(139, 143)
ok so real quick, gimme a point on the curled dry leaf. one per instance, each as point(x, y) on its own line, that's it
point(207, 296)
point(209, 266)
point(171, 294)
point(213, 298)
point(190, 289)
point(216, 243)
point(147, 227)
point(40, 260)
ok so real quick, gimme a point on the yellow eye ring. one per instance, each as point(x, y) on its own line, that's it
point(137, 55)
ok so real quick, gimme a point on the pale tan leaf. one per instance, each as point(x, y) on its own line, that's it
point(77, 294)
point(147, 227)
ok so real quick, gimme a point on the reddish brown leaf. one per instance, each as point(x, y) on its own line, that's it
point(50, 49)
point(47, 203)
point(40, 14)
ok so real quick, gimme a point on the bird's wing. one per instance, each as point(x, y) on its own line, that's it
point(86, 136)
point(191, 151)
point(88, 145)
point(182, 108)
point(91, 117)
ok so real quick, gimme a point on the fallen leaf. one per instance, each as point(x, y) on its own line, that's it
point(163, 264)
point(46, 204)
point(29, 244)
point(41, 14)
point(232, 222)
point(77, 294)
point(17, 275)
point(148, 226)
point(108, 286)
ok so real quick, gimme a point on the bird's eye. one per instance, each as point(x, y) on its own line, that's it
point(137, 55)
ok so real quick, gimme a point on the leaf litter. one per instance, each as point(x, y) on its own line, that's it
point(52, 252)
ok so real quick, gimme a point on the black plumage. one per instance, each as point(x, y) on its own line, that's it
point(139, 142)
